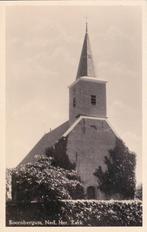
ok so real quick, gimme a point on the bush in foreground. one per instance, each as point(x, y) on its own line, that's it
point(42, 181)
point(77, 213)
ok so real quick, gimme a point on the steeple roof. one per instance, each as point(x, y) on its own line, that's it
point(86, 65)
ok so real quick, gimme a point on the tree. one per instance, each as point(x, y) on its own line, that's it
point(8, 184)
point(42, 181)
point(119, 176)
point(58, 152)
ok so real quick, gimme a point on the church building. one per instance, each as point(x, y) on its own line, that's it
point(88, 132)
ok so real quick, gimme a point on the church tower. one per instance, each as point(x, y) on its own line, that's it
point(87, 95)
point(88, 133)
point(90, 136)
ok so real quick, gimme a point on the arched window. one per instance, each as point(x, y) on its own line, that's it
point(91, 194)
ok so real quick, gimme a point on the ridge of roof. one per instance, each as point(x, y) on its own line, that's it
point(78, 120)
point(87, 117)
point(47, 140)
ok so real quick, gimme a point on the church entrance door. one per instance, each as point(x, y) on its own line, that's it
point(91, 194)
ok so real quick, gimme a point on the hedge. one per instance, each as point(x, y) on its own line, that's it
point(75, 213)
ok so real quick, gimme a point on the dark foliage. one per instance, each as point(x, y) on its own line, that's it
point(119, 177)
point(8, 184)
point(58, 152)
point(42, 181)
point(76, 213)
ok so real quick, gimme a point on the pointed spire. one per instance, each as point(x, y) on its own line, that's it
point(86, 65)
point(86, 26)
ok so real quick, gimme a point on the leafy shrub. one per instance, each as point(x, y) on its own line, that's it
point(119, 177)
point(42, 181)
point(79, 213)
point(103, 213)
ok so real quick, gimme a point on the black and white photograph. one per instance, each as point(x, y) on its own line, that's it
point(73, 97)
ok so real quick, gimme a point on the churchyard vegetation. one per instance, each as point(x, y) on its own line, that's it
point(42, 181)
point(76, 213)
point(119, 177)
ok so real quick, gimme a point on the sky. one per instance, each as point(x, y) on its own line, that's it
point(43, 46)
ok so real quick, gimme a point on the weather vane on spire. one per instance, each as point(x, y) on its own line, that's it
point(86, 25)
